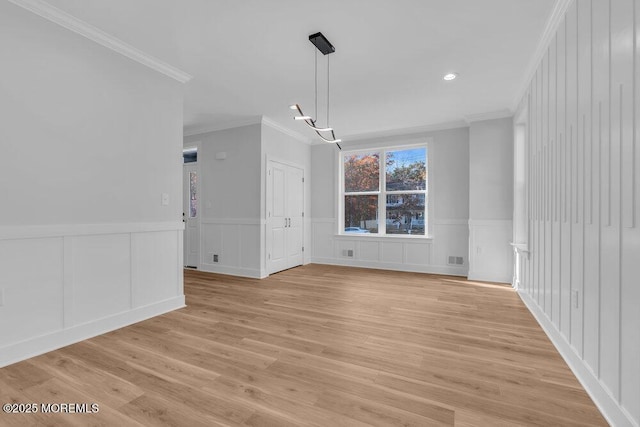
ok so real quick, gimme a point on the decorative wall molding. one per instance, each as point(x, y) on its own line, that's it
point(427, 268)
point(463, 222)
point(57, 16)
point(554, 20)
point(277, 126)
point(233, 221)
point(59, 230)
point(489, 222)
point(492, 115)
point(612, 412)
point(32, 347)
point(63, 289)
point(583, 193)
point(253, 273)
point(490, 251)
point(193, 130)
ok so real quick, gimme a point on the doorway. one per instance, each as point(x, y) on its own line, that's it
point(191, 207)
point(285, 216)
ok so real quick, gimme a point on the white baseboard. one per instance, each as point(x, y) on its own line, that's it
point(489, 278)
point(609, 407)
point(233, 271)
point(39, 345)
point(431, 269)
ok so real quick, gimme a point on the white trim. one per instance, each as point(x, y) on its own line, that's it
point(488, 222)
point(414, 268)
point(277, 126)
point(382, 191)
point(193, 130)
point(376, 237)
point(404, 131)
point(65, 230)
point(464, 222)
point(253, 273)
point(612, 412)
point(39, 345)
point(489, 278)
point(57, 16)
point(554, 20)
point(492, 115)
point(233, 221)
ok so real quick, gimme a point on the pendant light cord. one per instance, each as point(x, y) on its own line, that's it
point(328, 90)
point(316, 87)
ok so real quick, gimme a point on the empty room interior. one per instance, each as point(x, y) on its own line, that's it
point(339, 213)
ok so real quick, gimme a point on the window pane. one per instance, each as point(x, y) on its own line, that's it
point(193, 195)
point(407, 169)
point(361, 172)
point(361, 214)
point(405, 214)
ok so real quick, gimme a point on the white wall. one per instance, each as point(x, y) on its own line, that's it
point(230, 202)
point(490, 199)
point(90, 140)
point(581, 280)
point(233, 193)
point(448, 193)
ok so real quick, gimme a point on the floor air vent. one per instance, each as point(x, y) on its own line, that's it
point(455, 260)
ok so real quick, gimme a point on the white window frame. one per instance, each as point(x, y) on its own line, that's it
point(382, 192)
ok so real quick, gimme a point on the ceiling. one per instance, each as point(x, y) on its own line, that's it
point(252, 58)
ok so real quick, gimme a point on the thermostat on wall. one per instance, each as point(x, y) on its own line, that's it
point(221, 155)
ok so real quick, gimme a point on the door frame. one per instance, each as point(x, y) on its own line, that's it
point(267, 193)
point(197, 145)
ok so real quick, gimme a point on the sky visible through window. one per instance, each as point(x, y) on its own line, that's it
point(407, 157)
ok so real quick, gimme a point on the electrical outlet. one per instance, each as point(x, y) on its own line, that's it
point(215, 258)
point(576, 300)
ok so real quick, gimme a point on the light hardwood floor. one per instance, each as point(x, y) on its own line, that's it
point(315, 345)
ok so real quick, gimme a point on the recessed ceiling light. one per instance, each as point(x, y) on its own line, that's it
point(450, 76)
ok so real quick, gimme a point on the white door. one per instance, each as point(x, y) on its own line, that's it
point(295, 213)
point(277, 217)
point(285, 223)
point(191, 212)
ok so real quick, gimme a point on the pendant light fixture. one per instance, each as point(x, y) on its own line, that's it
point(325, 133)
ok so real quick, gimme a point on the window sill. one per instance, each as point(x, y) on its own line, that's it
point(383, 237)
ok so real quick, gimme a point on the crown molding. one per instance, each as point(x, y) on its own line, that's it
point(492, 115)
point(406, 131)
point(556, 17)
point(230, 124)
point(277, 126)
point(57, 16)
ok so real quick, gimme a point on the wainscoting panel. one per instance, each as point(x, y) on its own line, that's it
point(236, 242)
point(100, 277)
point(31, 280)
point(392, 253)
point(581, 279)
point(154, 273)
point(66, 283)
point(490, 252)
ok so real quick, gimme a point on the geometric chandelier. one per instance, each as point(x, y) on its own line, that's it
point(325, 133)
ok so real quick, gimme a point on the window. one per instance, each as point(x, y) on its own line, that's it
point(388, 184)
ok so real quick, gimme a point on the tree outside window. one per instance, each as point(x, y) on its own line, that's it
point(400, 199)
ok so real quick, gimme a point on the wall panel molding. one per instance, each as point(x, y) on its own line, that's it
point(63, 289)
point(68, 230)
point(580, 280)
point(425, 255)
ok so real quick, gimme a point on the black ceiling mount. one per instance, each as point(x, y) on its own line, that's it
point(321, 42)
